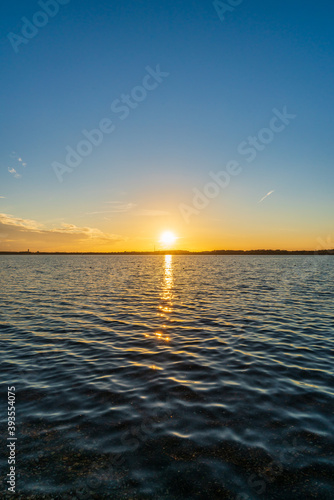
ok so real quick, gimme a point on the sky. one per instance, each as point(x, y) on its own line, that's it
point(122, 120)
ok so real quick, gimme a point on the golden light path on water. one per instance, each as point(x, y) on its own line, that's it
point(166, 296)
point(166, 293)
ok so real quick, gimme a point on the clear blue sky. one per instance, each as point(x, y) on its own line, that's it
point(225, 78)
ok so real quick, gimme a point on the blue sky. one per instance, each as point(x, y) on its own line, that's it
point(225, 78)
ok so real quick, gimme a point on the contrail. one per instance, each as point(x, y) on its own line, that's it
point(268, 194)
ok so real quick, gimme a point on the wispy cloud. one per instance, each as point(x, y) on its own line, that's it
point(89, 232)
point(151, 213)
point(3, 197)
point(10, 220)
point(18, 158)
point(119, 207)
point(266, 196)
point(16, 162)
point(13, 172)
point(18, 233)
point(100, 212)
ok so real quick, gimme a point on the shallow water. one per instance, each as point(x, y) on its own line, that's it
point(162, 377)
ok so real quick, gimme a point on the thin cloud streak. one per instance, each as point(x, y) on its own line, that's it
point(101, 212)
point(151, 213)
point(128, 207)
point(266, 196)
point(119, 207)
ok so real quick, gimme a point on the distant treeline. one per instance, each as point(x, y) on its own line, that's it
point(186, 252)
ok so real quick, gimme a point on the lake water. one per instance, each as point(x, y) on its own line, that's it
point(170, 377)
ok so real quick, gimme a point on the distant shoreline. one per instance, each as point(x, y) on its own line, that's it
point(185, 252)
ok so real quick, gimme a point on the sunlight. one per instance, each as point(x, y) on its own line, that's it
point(168, 238)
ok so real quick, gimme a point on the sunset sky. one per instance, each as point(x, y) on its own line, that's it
point(182, 95)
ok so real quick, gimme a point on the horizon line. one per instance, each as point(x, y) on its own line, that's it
point(259, 251)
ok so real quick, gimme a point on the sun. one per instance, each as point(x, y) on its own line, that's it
point(168, 238)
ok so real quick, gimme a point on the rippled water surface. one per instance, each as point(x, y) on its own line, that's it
point(165, 377)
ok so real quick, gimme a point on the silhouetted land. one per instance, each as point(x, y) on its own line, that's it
point(185, 252)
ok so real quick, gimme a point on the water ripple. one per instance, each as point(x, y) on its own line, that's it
point(171, 377)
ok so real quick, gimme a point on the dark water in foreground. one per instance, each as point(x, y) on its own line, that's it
point(152, 377)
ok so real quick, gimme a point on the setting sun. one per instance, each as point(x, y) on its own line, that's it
point(168, 238)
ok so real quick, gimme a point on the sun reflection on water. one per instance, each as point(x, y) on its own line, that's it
point(166, 297)
point(168, 277)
